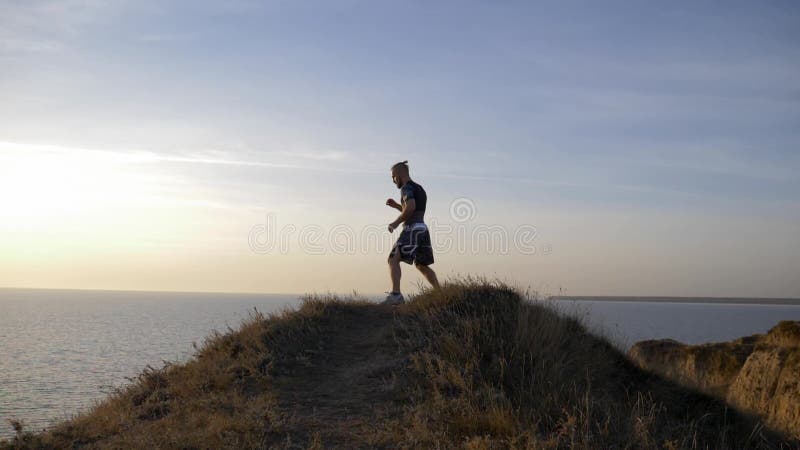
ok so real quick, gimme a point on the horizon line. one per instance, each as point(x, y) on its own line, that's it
point(628, 297)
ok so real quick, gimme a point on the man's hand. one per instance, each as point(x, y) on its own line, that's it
point(391, 202)
point(392, 226)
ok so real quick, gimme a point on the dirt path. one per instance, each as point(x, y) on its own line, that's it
point(341, 394)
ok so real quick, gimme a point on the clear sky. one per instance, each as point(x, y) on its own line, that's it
point(654, 146)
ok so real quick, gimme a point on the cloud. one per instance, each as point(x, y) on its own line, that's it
point(19, 45)
point(321, 155)
point(165, 37)
point(222, 158)
point(302, 159)
point(46, 25)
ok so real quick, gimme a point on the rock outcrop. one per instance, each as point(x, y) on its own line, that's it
point(759, 374)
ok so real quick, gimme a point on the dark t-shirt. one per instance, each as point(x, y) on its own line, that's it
point(413, 190)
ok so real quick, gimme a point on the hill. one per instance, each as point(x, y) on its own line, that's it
point(475, 365)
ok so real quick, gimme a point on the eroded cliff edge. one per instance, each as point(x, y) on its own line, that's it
point(759, 374)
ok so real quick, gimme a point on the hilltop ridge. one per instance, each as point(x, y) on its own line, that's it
point(475, 365)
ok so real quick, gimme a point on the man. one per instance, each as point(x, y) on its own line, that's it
point(413, 246)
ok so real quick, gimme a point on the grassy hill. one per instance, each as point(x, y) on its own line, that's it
point(476, 365)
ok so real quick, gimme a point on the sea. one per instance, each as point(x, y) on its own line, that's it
point(63, 350)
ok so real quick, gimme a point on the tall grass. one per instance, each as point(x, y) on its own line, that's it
point(495, 368)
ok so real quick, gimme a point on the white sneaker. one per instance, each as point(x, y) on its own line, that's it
point(394, 298)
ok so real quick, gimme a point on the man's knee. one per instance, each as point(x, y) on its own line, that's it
point(393, 259)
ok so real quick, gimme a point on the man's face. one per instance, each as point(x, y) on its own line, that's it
point(396, 179)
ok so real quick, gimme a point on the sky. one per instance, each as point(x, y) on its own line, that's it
point(579, 148)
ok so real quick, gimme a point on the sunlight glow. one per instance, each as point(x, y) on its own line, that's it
point(47, 182)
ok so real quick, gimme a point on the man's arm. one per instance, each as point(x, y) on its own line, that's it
point(391, 202)
point(407, 211)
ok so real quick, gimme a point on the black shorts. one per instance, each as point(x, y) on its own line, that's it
point(414, 245)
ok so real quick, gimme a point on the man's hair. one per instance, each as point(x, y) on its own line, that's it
point(401, 165)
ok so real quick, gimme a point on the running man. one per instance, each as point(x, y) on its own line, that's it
point(413, 246)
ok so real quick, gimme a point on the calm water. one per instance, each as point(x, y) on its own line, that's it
point(62, 350)
point(628, 322)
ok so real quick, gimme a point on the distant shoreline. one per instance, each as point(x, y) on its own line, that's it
point(594, 298)
point(696, 300)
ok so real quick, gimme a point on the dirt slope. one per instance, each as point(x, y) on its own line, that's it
point(339, 393)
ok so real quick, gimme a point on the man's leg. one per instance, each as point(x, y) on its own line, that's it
point(394, 270)
point(429, 275)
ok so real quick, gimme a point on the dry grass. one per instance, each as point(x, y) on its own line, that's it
point(784, 334)
point(476, 365)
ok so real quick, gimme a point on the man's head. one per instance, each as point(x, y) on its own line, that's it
point(400, 174)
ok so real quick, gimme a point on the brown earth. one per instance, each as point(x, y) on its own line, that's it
point(344, 390)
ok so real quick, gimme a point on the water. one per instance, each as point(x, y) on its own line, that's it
point(61, 350)
point(627, 322)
